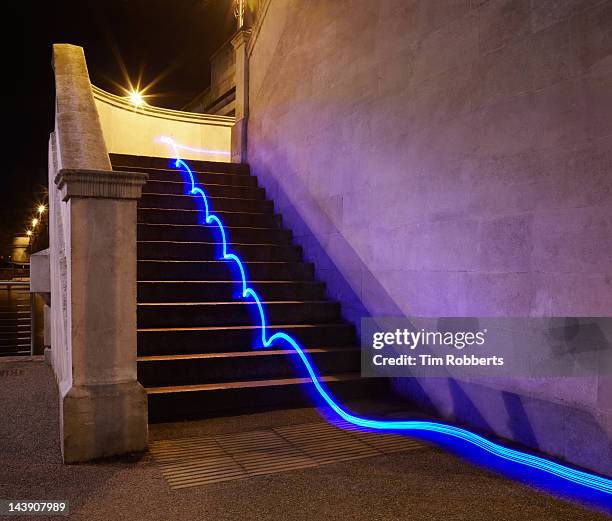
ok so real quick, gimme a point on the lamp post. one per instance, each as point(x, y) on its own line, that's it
point(239, 10)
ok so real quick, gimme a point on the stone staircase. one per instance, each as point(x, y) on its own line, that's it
point(195, 333)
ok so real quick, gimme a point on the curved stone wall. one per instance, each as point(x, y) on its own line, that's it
point(128, 129)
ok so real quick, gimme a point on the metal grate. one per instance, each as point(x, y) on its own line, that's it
point(189, 462)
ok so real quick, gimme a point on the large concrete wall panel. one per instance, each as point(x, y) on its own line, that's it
point(450, 157)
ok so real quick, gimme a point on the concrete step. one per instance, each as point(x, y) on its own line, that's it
point(203, 178)
point(214, 399)
point(14, 318)
point(215, 291)
point(206, 233)
point(183, 188)
point(181, 250)
point(15, 337)
point(157, 371)
point(222, 270)
point(216, 204)
point(165, 216)
point(14, 351)
point(168, 341)
point(124, 160)
point(196, 335)
point(188, 314)
point(14, 312)
point(14, 327)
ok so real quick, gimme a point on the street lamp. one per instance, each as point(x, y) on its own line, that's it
point(136, 98)
point(239, 10)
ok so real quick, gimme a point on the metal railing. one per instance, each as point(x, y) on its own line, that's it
point(15, 318)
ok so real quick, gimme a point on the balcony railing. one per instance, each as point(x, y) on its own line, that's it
point(15, 318)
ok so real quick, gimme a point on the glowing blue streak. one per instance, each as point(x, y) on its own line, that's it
point(576, 476)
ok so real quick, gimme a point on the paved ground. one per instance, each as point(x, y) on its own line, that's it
point(421, 485)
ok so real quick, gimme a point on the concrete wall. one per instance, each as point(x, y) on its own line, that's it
point(450, 157)
point(131, 130)
point(218, 98)
point(222, 69)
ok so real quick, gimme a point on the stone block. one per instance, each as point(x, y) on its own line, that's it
point(548, 12)
point(604, 393)
point(40, 275)
point(573, 240)
point(559, 116)
point(553, 59)
point(239, 141)
point(590, 34)
point(397, 25)
point(573, 294)
point(442, 245)
point(507, 127)
point(595, 427)
point(502, 21)
point(597, 87)
point(423, 293)
point(503, 73)
point(505, 244)
point(435, 15)
point(495, 294)
point(453, 45)
point(103, 420)
point(395, 69)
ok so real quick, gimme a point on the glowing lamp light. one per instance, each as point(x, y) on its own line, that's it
point(41, 209)
point(136, 98)
point(529, 462)
point(29, 233)
point(34, 222)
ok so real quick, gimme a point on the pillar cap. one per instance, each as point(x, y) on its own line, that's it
point(241, 38)
point(101, 184)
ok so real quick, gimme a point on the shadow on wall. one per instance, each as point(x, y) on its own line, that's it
point(557, 429)
point(518, 420)
point(549, 426)
point(464, 408)
point(314, 230)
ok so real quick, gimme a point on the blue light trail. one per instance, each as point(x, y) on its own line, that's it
point(579, 477)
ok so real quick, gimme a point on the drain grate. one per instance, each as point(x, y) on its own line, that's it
point(189, 462)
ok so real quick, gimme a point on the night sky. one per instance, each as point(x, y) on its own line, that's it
point(167, 40)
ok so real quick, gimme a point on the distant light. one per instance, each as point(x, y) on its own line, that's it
point(34, 222)
point(29, 233)
point(136, 98)
point(41, 209)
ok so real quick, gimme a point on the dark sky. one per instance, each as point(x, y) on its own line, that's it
point(171, 40)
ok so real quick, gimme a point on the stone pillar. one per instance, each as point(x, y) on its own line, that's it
point(40, 288)
point(104, 410)
point(92, 262)
point(239, 130)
